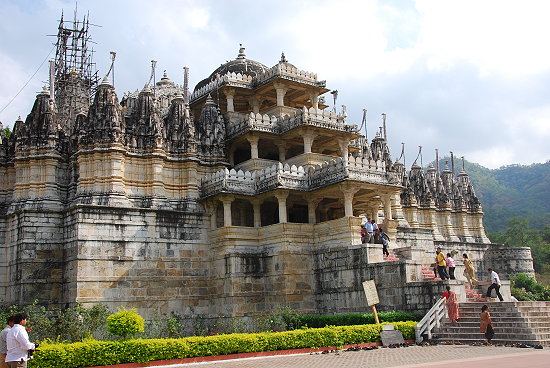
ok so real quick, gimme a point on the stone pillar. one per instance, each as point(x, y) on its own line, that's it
point(314, 98)
point(231, 156)
point(256, 205)
point(253, 140)
point(348, 191)
point(344, 150)
point(281, 198)
point(308, 137)
point(281, 89)
point(227, 210)
point(311, 207)
point(230, 94)
point(386, 199)
point(282, 151)
point(254, 104)
point(212, 208)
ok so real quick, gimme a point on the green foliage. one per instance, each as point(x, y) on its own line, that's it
point(526, 288)
point(125, 323)
point(70, 324)
point(98, 353)
point(518, 233)
point(281, 319)
point(7, 132)
point(316, 321)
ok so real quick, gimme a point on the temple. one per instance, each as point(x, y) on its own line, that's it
point(244, 195)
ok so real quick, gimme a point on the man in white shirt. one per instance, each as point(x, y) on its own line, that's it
point(495, 284)
point(18, 343)
point(3, 346)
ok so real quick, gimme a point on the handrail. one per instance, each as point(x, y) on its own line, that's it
point(431, 319)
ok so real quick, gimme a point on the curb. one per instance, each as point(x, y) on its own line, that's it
point(214, 358)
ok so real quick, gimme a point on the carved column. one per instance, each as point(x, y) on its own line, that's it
point(311, 207)
point(386, 199)
point(308, 137)
point(230, 94)
point(227, 210)
point(254, 104)
point(397, 210)
point(281, 89)
point(282, 151)
point(211, 207)
point(348, 191)
point(344, 143)
point(314, 98)
point(253, 140)
point(256, 205)
point(281, 198)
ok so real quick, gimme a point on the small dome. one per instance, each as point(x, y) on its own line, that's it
point(240, 65)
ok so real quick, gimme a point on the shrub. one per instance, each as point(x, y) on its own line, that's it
point(125, 323)
point(317, 321)
point(97, 353)
point(526, 288)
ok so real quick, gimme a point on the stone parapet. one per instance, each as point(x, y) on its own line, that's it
point(294, 177)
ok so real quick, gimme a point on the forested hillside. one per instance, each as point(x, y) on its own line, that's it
point(511, 191)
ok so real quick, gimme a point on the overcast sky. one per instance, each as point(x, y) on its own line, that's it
point(472, 77)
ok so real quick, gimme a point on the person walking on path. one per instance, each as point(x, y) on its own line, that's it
point(18, 343)
point(3, 346)
point(486, 324)
point(441, 264)
point(451, 302)
point(451, 265)
point(469, 270)
point(495, 284)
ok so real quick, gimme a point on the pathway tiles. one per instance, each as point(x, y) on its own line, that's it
point(413, 356)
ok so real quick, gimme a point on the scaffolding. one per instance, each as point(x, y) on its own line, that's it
point(75, 75)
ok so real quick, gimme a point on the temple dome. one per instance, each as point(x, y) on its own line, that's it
point(240, 65)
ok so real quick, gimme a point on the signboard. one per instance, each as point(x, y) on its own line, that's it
point(370, 292)
point(391, 337)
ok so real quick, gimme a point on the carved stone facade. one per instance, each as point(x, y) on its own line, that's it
point(245, 198)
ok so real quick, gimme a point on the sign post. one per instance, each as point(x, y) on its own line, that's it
point(372, 297)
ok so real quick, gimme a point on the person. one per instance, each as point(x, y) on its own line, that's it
point(451, 302)
point(495, 284)
point(469, 270)
point(440, 261)
point(451, 265)
point(385, 239)
point(18, 344)
point(486, 324)
point(375, 231)
point(368, 236)
point(3, 347)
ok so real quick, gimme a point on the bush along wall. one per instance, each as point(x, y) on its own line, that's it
point(97, 353)
point(317, 321)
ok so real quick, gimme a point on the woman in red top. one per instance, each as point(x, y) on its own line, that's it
point(451, 302)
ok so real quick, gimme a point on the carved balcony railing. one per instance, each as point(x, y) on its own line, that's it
point(295, 177)
point(277, 125)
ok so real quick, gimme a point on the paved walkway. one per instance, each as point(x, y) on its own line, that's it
point(408, 357)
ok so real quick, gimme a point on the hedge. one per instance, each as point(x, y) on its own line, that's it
point(97, 353)
point(317, 321)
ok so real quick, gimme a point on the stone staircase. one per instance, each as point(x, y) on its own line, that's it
point(514, 322)
point(391, 257)
point(473, 294)
point(428, 274)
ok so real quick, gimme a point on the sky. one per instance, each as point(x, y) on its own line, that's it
point(472, 77)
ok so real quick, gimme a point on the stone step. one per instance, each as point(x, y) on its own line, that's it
point(468, 323)
point(504, 320)
point(494, 341)
point(498, 335)
point(536, 331)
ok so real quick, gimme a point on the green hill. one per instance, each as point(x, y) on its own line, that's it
point(511, 191)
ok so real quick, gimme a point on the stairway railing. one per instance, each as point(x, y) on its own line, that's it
point(431, 319)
